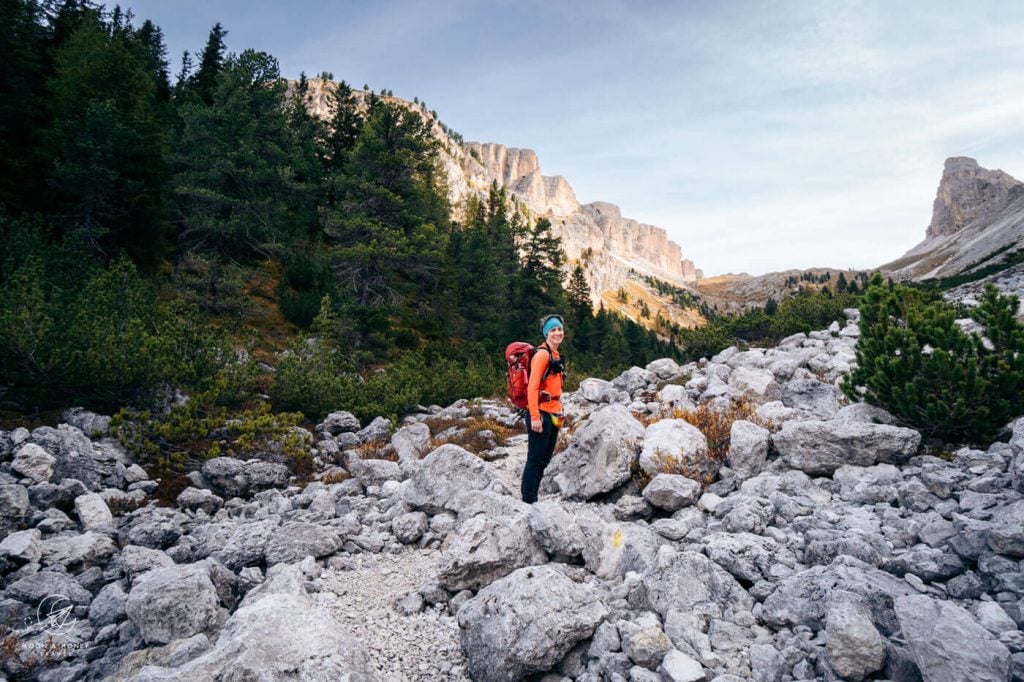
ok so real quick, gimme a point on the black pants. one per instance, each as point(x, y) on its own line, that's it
point(538, 455)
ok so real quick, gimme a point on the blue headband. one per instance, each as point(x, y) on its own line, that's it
point(553, 323)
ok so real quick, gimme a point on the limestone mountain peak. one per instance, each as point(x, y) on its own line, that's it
point(967, 192)
point(977, 222)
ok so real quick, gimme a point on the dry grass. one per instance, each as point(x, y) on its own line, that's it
point(478, 435)
point(335, 476)
point(565, 437)
point(122, 504)
point(716, 426)
point(377, 449)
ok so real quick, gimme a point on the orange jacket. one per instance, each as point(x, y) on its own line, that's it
point(552, 385)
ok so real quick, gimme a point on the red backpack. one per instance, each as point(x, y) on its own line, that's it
point(519, 355)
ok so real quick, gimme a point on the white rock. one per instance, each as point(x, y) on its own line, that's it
point(748, 448)
point(671, 492)
point(671, 440)
point(22, 546)
point(678, 667)
point(92, 511)
point(757, 384)
point(31, 461)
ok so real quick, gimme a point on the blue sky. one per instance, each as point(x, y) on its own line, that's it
point(761, 135)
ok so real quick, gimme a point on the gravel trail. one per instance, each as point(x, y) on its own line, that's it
point(424, 646)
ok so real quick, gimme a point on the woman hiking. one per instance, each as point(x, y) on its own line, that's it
point(544, 395)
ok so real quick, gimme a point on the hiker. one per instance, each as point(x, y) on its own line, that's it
point(544, 414)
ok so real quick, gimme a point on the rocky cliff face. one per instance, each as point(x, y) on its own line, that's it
point(977, 221)
point(596, 234)
point(967, 194)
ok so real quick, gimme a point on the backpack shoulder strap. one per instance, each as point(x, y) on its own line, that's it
point(547, 372)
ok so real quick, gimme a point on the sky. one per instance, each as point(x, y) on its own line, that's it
point(762, 136)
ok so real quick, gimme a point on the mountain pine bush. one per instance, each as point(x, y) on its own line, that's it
point(914, 360)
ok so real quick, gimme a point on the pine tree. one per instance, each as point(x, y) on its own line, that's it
point(204, 82)
point(915, 361)
point(841, 283)
point(389, 225)
point(345, 126)
point(110, 139)
point(578, 294)
point(235, 188)
point(23, 157)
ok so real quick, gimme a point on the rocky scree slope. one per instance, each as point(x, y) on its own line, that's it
point(830, 548)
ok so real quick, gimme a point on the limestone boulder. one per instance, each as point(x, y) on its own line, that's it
point(411, 443)
point(601, 391)
point(338, 422)
point(92, 511)
point(528, 621)
point(172, 603)
point(109, 606)
point(682, 580)
point(410, 527)
point(665, 369)
point(748, 448)
point(277, 633)
point(1006, 533)
point(611, 550)
point(194, 499)
point(758, 385)
point(77, 552)
point(868, 485)
point(855, 648)
point(444, 474)
point(556, 530)
point(672, 441)
point(812, 396)
point(230, 477)
point(36, 588)
point(74, 454)
point(375, 471)
point(746, 556)
point(293, 541)
point(598, 459)
point(672, 492)
point(14, 506)
point(33, 462)
point(91, 424)
point(247, 544)
point(947, 643)
point(634, 380)
point(803, 598)
point(485, 549)
point(821, 447)
point(22, 547)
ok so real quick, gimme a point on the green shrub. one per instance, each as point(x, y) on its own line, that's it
point(810, 311)
point(320, 375)
point(224, 420)
point(102, 343)
point(916, 362)
point(803, 312)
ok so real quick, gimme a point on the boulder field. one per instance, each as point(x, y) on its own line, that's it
point(828, 546)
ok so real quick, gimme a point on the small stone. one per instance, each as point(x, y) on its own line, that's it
point(678, 667)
